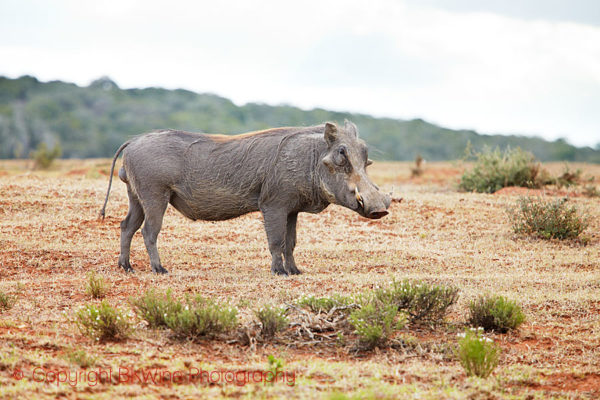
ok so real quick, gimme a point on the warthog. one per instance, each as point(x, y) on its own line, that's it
point(279, 172)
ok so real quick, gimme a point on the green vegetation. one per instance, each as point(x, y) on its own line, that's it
point(96, 286)
point(201, 317)
point(495, 169)
point(375, 321)
point(94, 121)
point(43, 157)
point(154, 308)
point(6, 301)
point(324, 304)
point(103, 322)
point(80, 357)
point(421, 301)
point(495, 313)
point(272, 320)
point(552, 219)
point(477, 354)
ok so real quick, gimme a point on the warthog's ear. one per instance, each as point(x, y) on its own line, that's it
point(369, 162)
point(350, 128)
point(331, 133)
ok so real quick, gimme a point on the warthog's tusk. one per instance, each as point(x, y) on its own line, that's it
point(359, 198)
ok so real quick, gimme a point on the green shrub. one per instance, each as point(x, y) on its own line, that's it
point(495, 313)
point(324, 304)
point(553, 219)
point(6, 301)
point(375, 321)
point(154, 308)
point(568, 178)
point(80, 357)
point(421, 301)
point(494, 170)
point(272, 320)
point(96, 286)
point(103, 322)
point(43, 157)
point(202, 317)
point(477, 354)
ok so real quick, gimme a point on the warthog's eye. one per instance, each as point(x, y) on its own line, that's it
point(341, 156)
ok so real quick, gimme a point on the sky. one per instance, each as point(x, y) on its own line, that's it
point(496, 66)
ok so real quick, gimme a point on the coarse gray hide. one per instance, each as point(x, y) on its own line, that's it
point(279, 172)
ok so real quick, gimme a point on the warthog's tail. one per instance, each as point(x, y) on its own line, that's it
point(112, 170)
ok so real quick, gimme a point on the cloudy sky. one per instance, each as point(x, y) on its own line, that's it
point(497, 66)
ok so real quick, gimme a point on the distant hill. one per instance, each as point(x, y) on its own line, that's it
point(94, 121)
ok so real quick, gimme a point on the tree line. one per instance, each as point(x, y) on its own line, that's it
point(94, 121)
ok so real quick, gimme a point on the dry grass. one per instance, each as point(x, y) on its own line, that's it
point(51, 238)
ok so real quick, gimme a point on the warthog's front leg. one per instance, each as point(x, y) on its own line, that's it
point(290, 244)
point(275, 225)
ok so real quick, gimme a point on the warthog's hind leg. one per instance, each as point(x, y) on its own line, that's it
point(154, 210)
point(129, 227)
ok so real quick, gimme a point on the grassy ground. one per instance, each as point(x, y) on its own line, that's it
point(51, 238)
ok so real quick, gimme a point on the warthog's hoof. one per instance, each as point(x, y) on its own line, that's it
point(126, 266)
point(293, 270)
point(279, 271)
point(160, 270)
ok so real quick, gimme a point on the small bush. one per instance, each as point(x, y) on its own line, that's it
point(417, 170)
point(81, 358)
point(155, 309)
point(272, 319)
point(494, 170)
point(324, 304)
point(103, 322)
point(6, 301)
point(568, 177)
point(591, 191)
point(477, 354)
point(495, 313)
point(375, 321)
point(422, 302)
point(43, 157)
point(547, 219)
point(96, 286)
point(202, 317)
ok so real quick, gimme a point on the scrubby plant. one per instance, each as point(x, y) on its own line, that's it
point(80, 357)
point(568, 177)
point(272, 320)
point(375, 321)
point(96, 286)
point(6, 301)
point(103, 322)
point(324, 304)
point(495, 169)
point(495, 313)
point(155, 308)
point(421, 301)
point(477, 354)
point(417, 170)
point(43, 157)
point(202, 317)
point(553, 219)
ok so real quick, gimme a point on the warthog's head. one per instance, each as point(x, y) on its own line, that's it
point(344, 179)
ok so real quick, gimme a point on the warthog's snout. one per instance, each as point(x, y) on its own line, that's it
point(375, 205)
point(377, 214)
